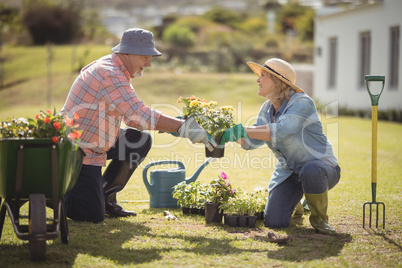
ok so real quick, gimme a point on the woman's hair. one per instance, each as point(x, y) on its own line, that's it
point(284, 91)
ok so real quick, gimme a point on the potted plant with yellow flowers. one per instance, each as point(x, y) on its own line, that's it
point(215, 120)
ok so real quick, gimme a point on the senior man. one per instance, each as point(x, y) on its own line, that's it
point(102, 96)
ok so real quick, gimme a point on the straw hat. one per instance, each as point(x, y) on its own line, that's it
point(138, 42)
point(279, 68)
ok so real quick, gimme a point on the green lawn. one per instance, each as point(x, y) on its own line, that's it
point(149, 240)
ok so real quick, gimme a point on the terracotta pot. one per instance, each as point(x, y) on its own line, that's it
point(212, 213)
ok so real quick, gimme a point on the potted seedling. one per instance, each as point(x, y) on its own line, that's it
point(220, 191)
point(190, 197)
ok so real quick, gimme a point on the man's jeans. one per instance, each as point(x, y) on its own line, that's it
point(86, 201)
point(314, 178)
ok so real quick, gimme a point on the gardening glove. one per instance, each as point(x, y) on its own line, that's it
point(191, 130)
point(234, 133)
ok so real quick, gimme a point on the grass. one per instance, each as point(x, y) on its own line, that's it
point(149, 240)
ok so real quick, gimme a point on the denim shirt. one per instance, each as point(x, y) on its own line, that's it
point(296, 136)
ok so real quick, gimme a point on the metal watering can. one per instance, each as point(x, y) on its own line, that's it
point(160, 187)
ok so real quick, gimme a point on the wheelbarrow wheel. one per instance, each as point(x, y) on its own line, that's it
point(37, 226)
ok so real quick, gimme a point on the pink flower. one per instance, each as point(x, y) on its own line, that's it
point(223, 175)
point(72, 136)
point(228, 183)
point(233, 191)
point(69, 122)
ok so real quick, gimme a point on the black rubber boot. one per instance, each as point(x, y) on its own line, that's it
point(116, 177)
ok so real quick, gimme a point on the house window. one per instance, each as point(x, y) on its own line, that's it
point(364, 61)
point(394, 34)
point(333, 49)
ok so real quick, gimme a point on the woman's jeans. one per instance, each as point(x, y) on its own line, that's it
point(314, 178)
point(86, 201)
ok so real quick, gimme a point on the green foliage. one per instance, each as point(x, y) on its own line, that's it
point(289, 15)
point(191, 195)
point(224, 16)
point(305, 26)
point(195, 23)
point(244, 203)
point(10, 22)
point(179, 35)
point(255, 25)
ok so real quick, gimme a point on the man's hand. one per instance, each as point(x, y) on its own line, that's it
point(234, 133)
point(191, 130)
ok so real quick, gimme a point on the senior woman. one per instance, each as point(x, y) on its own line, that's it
point(289, 124)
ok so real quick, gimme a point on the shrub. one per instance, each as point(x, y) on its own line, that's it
point(179, 35)
point(51, 24)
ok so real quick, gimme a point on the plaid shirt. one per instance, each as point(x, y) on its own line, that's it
point(102, 96)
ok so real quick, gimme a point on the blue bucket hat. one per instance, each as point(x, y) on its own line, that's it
point(138, 42)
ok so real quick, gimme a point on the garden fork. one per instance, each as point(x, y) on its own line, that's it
point(374, 114)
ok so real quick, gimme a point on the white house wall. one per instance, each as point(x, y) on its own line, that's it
point(346, 27)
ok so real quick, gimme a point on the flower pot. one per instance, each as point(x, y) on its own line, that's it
point(232, 220)
point(251, 221)
point(195, 211)
point(202, 211)
point(212, 213)
point(217, 152)
point(243, 221)
point(260, 215)
point(185, 210)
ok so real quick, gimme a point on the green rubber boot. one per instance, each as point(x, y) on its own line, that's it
point(318, 204)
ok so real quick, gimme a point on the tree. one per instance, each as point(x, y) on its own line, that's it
point(305, 26)
point(51, 23)
point(288, 16)
point(10, 22)
point(224, 16)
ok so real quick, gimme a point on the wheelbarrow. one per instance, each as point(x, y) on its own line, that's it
point(39, 172)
